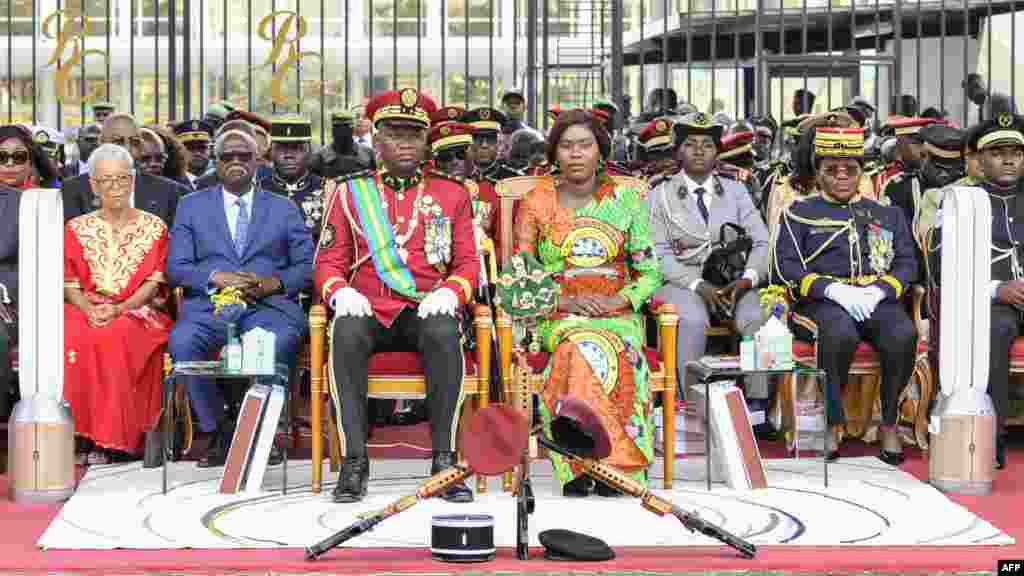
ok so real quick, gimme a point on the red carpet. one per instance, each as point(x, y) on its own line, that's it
point(22, 525)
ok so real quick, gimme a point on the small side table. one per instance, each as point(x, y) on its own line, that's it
point(214, 370)
point(706, 374)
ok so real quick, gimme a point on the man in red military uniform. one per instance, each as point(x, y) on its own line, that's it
point(397, 263)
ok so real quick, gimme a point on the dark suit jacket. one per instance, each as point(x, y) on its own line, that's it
point(9, 240)
point(279, 244)
point(156, 195)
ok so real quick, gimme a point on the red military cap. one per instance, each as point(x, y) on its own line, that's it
point(600, 115)
point(906, 125)
point(553, 112)
point(657, 135)
point(450, 135)
point(405, 106)
point(736, 145)
point(447, 114)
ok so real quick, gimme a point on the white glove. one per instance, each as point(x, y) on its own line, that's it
point(872, 297)
point(440, 301)
point(349, 302)
point(849, 297)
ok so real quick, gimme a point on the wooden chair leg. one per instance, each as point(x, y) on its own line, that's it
point(481, 480)
point(926, 387)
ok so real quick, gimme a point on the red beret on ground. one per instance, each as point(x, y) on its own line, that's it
point(494, 440)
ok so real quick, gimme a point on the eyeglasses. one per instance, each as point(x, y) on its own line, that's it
point(121, 180)
point(153, 158)
point(229, 157)
point(16, 158)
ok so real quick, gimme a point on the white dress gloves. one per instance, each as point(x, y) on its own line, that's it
point(349, 302)
point(440, 301)
point(860, 303)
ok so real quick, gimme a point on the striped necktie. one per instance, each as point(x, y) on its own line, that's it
point(241, 226)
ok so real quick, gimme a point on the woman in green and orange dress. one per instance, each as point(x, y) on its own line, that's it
point(592, 233)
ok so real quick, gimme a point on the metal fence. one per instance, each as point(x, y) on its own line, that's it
point(167, 60)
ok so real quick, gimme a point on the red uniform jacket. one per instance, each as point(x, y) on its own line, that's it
point(343, 257)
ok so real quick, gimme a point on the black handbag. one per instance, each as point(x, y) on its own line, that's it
point(728, 258)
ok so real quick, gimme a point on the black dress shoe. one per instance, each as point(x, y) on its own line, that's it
point(355, 474)
point(580, 487)
point(1000, 452)
point(276, 455)
point(891, 458)
point(458, 492)
point(215, 456)
point(217, 452)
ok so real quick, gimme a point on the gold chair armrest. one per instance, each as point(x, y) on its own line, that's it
point(492, 261)
point(917, 296)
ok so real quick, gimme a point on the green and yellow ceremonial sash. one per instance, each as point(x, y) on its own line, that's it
point(380, 237)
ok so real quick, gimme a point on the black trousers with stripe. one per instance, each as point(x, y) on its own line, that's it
point(889, 329)
point(437, 339)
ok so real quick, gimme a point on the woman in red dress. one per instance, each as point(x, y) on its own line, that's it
point(113, 334)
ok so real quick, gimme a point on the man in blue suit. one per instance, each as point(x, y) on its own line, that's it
point(236, 235)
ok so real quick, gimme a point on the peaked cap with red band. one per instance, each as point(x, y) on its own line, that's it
point(405, 106)
point(450, 135)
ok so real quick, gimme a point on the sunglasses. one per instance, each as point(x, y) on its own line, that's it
point(453, 155)
point(16, 158)
point(229, 157)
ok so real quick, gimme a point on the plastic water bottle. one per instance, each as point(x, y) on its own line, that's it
point(233, 351)
point(748, 354)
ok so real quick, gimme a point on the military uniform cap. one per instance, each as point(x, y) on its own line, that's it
point(905, 125)
point(406, 106)
point(605, 103)
point(449, 135)
point(291, 128)
point(485, 119)
point(943, 143)
point(833, 119)
point(342, 117)
point(447, 114)
point(656, 136)
point(1003, 130)
point(697, 123)
point(220, 109)
point(830, 142)
point(513, 92)
point(192, 130)
point(572, 546)
point(736, 145)
point(102, 106)
point(601, 116)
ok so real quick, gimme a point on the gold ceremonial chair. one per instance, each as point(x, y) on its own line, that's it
point(662, 360)
point(393, 375)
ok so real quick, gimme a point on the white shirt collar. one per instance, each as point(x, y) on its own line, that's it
point(692, 185)
point(230, 199)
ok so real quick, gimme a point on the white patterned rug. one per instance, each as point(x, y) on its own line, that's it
point(867, 503)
